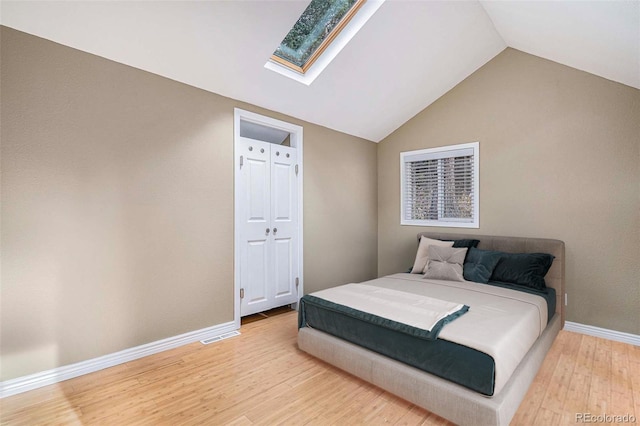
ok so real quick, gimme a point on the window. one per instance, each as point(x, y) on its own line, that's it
point(321, 32)
point(318, 25)
point(440, 186)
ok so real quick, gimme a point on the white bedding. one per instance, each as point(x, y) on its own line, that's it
point(407, 308)
point(502, 323)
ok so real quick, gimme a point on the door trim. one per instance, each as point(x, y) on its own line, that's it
point(296, 141)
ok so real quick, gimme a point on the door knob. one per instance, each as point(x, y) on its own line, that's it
point(275, 230)
point(268, 230)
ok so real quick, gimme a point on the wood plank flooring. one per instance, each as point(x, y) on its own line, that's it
point(261, 378)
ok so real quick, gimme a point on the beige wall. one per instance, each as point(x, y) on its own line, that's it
point(117, 206)
point(117, 195)
point(559, 158)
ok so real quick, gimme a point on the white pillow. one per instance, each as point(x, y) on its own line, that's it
point(422, 256)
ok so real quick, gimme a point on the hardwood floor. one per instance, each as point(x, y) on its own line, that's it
point(260, 377)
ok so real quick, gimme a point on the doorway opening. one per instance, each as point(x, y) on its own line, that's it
point(268, 214)
point(265, 315)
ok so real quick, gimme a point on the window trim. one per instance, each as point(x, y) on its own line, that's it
point(438, 151)
point(325, 43)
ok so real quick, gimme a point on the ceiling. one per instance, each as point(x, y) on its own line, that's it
point(406, 56)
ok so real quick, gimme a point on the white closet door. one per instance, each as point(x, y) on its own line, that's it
point(284, 220)
point(255, 253)
point(269, 228)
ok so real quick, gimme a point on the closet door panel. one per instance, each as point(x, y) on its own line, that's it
point(282, 267)
point(257, 283)
point(284, 218)
point(256, 238)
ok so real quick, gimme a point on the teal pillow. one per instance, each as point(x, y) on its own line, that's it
point(479, 264)
point(525, 269)
point(468, 243)
point(465, 243)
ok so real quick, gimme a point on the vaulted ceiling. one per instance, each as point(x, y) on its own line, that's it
point(406, 56)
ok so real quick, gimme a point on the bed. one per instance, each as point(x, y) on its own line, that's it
point(455, 398)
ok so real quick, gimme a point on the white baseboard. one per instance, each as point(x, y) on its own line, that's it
point(590, 330)
point(49, 377)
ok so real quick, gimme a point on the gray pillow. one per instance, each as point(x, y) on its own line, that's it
point(422, 256)
point(445, 263)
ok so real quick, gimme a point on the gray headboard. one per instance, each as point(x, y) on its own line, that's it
point(555, 276)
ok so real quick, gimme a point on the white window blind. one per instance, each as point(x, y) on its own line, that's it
point(439, 186)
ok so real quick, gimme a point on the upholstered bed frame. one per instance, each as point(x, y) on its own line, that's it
point(453, 402)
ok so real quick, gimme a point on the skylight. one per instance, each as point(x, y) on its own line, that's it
point(322, 31)
point(316, 28)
